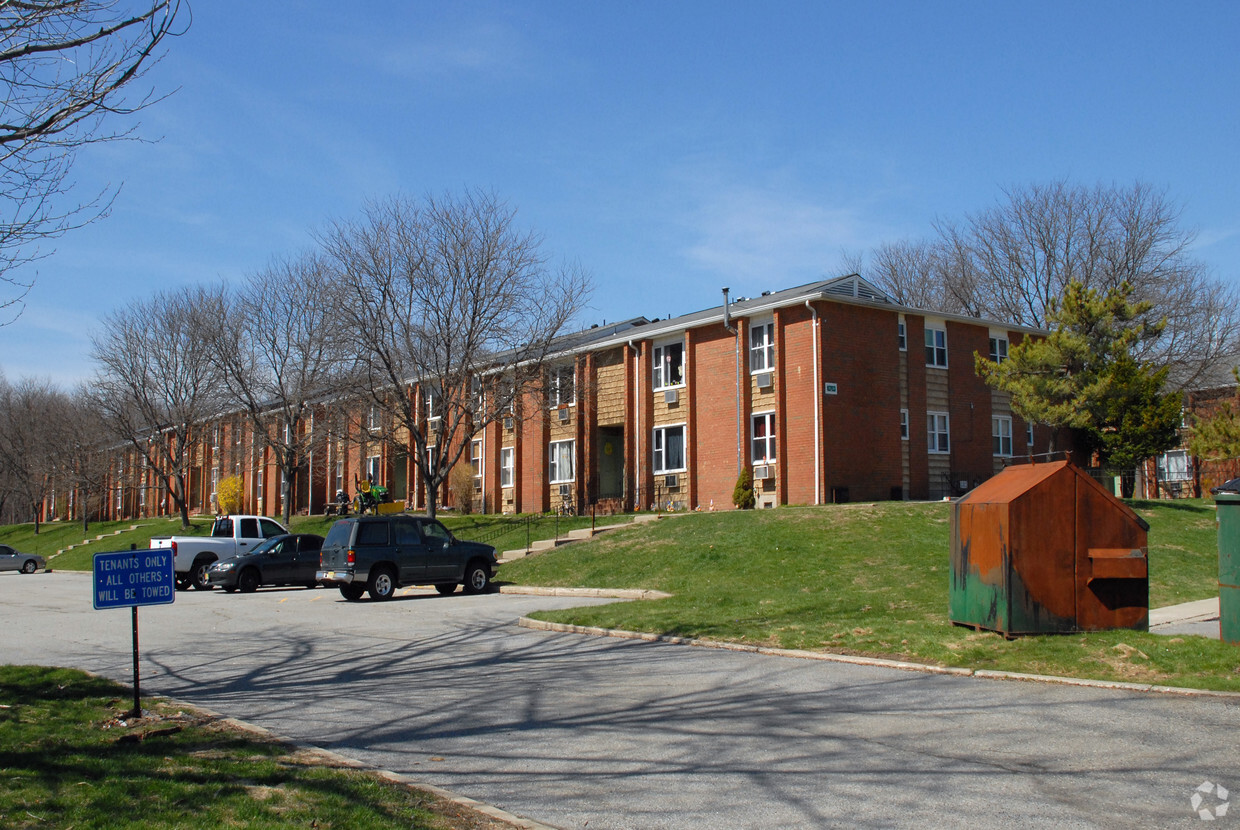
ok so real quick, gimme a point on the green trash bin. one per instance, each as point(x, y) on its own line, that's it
point(1228, 507)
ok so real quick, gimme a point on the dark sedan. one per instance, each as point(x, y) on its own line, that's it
point(291, 559)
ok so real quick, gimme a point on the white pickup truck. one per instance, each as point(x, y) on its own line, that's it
point(230, 535)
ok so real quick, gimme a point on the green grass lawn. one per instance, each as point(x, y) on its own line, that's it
point(872, 579)
point(504, 532)
point(72, 759)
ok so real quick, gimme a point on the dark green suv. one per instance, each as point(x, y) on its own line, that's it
point(378, 554)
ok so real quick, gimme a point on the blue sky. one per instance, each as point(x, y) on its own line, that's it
point(671, 148)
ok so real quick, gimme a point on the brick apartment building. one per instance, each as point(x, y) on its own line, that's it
point(828, 392)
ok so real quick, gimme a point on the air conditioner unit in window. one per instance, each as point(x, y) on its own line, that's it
point(764, 380)
point(566, 490)
point(508, 423)
point(671, 481)
point(761, 473)
point(564, 415)
point(671, 396)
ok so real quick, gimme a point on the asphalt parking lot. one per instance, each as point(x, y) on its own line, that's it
point(577, 731)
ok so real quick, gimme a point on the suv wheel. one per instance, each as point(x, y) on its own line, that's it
point(477, 578)
point(382, 585)
point(450, 588)
point(352, 592)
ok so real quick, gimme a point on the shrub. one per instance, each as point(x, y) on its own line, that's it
point(461, 483)
point(229, 493)
point(742, 495)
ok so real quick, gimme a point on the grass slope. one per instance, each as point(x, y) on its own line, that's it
point(504, 532)
point(872, 579)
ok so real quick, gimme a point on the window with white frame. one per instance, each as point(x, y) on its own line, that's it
point(938, 433)
point(479, 394)
point(1001, 435)
point(669, 365)
point(762, 438)
point(506, 467)
point(998, 349)
point(433, 401)
point(475, 462)
point(904, 424)
point(936, 347)
point(901, 337)
point(373, 469)
point(373, 418)
point(762, 347)
point(561, 386)
point(561, 461)
point(339, 475)
point(669, 449)
point(1175, 466)
point(1029, 435)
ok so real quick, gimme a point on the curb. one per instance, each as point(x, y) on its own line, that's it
point(879, 662)
point(609, 593)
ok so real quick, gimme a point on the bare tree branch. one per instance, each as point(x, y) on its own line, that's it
point(67, 70)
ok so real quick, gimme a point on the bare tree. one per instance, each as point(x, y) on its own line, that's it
point(156, 385)
point(450, 295)
point(67, 70)
point(280, 348)
point(33, 414)
point(85, 454)
point(1011, 261)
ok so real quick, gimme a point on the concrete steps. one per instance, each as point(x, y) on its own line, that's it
point(98, 538)
point(573, 536)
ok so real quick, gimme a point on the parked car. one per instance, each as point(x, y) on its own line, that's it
point(289, 559)
point(230, 535)
point(1231, 487)
point(11, 559)
point(378, 554)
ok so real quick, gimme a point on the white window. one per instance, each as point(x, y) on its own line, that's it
point(373, 469)
point(904, 424)
point(762, 348)
point(669, 449)
point(561, 457)
point(339, 475)
point(475, 461)
point(1174, 466)
point(1029, 435)
point(936, 347)
point(938, 434)
point(762, 438)
point(433, 402)
point(998, 349)
point(900, 336)
point(215, 482)
point(505, 467)
point(373, 419)
point(479, 394)
point(561, 385)
point(1001, 435)
point(669, 365)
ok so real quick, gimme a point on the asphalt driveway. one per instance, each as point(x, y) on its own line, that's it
point(594, 732)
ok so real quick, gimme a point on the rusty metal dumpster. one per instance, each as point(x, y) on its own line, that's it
point(1043, 548)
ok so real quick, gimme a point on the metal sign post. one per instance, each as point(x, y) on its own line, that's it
point(127, 579)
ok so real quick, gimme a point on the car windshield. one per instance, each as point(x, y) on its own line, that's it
point(265, 546)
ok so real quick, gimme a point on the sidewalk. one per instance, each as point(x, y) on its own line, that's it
point(1200, 617)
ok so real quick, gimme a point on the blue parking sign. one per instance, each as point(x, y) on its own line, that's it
point(131, 578)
